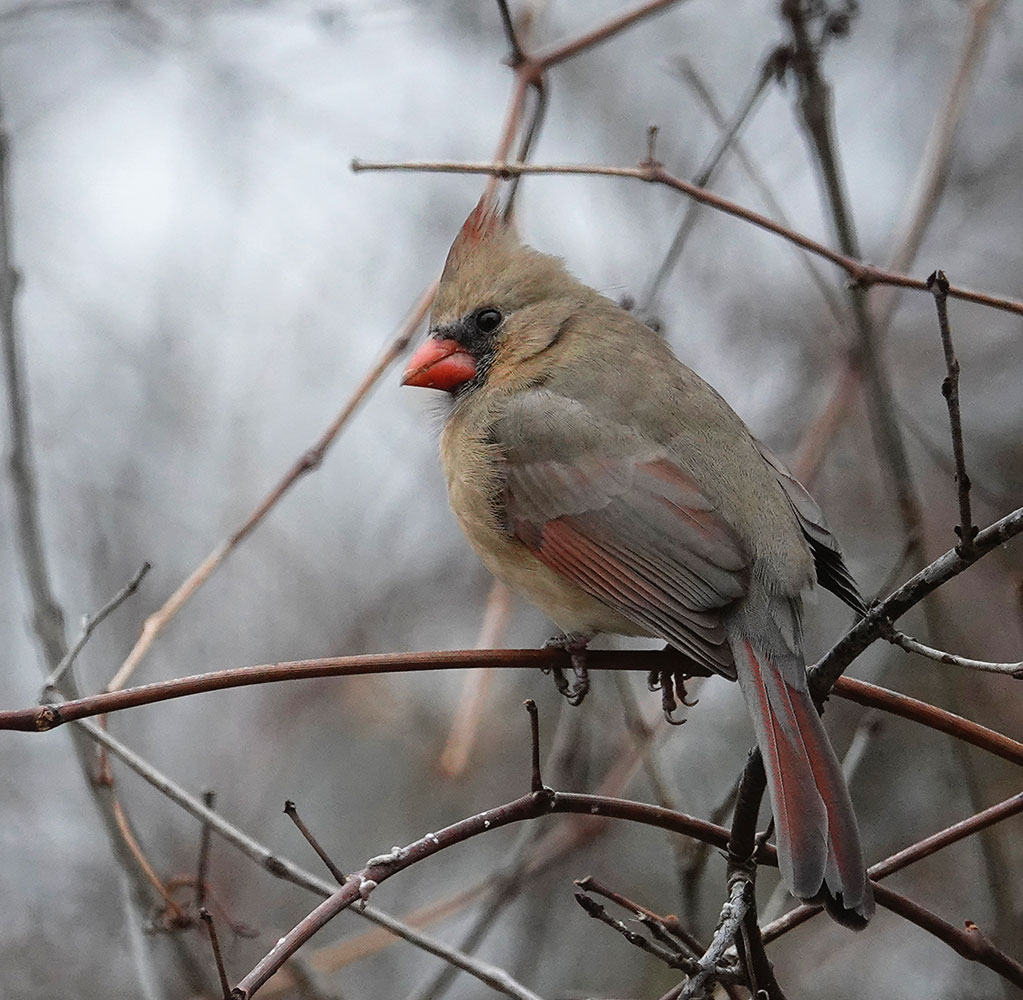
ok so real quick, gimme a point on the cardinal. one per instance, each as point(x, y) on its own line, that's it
point(612, 487)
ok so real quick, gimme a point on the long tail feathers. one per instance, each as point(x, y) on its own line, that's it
point(819, 850)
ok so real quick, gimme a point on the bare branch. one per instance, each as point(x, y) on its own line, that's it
point(670, 956)
point(833, 663)
point(966, 529)
point(89, 624)
point(911, 645)
point(281, 867)
point(206, 917)
point(732, 915)
point(861, 274)
point(291, 812)
point(726, 140)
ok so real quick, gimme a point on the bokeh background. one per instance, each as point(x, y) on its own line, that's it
point(205, 282)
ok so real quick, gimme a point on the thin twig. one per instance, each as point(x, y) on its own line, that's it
point(701, 88)
point(966, 529)
point(670, 924)
point(671, 957)
point(563, 51)
point(911, 645)
point(861, 274)
point(207, 918)
point(726, 140)
point(536, 780)
point(89, 623)
point(209, 799)
point(291, 811)
point(944, 568)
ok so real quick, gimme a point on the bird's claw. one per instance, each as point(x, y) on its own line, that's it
point(575, 646)
point(672, 686)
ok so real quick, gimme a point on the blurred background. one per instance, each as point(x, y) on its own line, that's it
point(205, 282)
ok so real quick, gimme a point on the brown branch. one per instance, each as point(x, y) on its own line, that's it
point(969, 942)
point(45, 717)
point(207, 918)
point(563, 51)
point(531, 806)
point(966, 529)
point(931, 716)
point(860, 273)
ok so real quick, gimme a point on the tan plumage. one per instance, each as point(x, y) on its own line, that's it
point(616, 490)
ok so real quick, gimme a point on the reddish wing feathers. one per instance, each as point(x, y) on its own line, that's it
point(640, 537)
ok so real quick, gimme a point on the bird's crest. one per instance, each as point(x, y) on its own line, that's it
point(483, 222)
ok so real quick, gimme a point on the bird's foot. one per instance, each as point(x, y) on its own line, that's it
point(672, 685)
point(573, 643)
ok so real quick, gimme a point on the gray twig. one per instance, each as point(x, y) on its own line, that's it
point(89, 624)
point(729, 135)
point(911, 645)
point(732, 914)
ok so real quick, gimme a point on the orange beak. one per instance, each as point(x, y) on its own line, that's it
point(439, 364)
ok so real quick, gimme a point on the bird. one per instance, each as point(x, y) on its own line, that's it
point(612, 487)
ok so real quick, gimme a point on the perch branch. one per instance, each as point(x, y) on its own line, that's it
point(860, 273)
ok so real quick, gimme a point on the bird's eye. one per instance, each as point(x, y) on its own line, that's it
point(488, 320)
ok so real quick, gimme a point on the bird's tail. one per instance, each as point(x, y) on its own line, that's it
point(818, 841)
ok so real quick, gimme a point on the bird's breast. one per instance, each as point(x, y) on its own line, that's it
point(472, 463)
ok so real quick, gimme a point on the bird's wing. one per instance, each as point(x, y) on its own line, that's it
point(609, 510)
point(832, 573)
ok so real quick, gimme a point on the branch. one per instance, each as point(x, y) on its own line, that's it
point(733, 913)
point(966, 529)
point(89, 624)
point(281, 867)
point(881, 615)
point(912, 645)
point(815, 107)
point(861, 274)
point(925, 714)
point(46, 717)
point(726, 140)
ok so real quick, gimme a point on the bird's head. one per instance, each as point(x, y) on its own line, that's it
point(499, 306)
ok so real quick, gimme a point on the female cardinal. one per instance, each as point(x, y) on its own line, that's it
point(610, 485)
